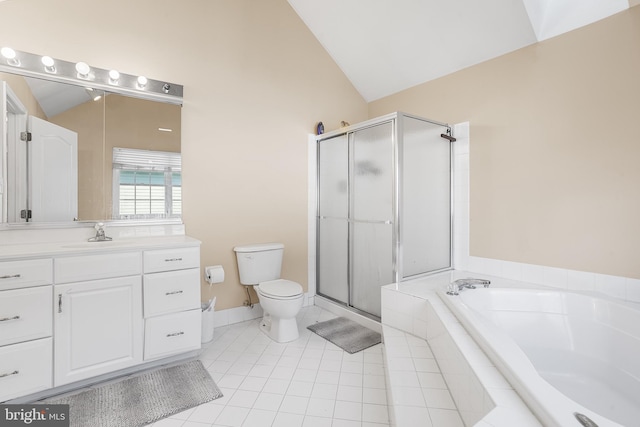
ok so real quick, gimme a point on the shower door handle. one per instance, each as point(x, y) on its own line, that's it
point(361, 221)
point(371, 221)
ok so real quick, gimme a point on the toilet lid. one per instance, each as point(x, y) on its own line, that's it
point(280, 288)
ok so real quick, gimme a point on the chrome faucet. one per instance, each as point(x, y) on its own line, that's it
point(458, 285)
point(101, 235)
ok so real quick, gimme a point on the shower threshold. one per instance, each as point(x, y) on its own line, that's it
point(339, 309)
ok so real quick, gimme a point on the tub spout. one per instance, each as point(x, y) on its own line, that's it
point(458, 285)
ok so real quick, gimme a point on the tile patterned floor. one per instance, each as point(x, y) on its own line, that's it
point(305, 383)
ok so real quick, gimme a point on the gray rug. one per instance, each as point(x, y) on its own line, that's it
point(346, 334)
point(142, 399)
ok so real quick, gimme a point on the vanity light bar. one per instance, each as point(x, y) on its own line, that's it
point(45, 67)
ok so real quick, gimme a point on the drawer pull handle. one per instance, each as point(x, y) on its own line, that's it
point(173, 292)
point(9, 374)
point(175, 334)
point(172, 259)
point(59, 303)
point(6, 319)
point(10, 276)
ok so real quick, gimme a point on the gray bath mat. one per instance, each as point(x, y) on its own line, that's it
point(346, 334)
point(142, 399)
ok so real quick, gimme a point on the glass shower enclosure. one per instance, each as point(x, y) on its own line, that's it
point(384, 209)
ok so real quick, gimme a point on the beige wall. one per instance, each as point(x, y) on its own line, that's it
point(256, 82)
point(555, 147)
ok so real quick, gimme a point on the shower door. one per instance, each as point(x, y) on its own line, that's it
point(333, 218)
point(384, 208)
point(356, 216)
point(371, 215)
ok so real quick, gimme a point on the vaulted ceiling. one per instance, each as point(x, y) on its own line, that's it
point(385, 46)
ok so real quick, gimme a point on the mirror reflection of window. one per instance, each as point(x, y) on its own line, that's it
point(146, 184)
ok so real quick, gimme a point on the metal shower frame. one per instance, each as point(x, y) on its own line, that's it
point(397, 251)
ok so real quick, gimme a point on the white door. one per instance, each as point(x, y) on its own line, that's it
point(98, 327)
point(53, 172)
point(14, 155)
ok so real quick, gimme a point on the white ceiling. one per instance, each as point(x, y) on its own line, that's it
point(385, 46)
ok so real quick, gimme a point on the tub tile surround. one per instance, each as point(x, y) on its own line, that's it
point(416, 389)
point(413, 311)
point(623, 288)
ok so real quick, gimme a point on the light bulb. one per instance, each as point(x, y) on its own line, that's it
point(83, 69)
point(142, 82)
point(10, 55)
point(49, 64)
point(47, 61)
point(114, 75)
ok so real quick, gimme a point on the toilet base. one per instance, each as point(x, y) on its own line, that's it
point(279, 330)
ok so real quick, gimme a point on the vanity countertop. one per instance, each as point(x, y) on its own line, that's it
point(48, 249)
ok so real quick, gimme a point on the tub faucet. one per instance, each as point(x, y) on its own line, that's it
point(458, 285)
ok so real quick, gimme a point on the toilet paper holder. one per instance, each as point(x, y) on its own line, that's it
point(214, 274)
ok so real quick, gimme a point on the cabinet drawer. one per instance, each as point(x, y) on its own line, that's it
point(25, 368)
point(102, 266)
point(23, 274)
point(172, 333)
point(171, 292)
point(171, 259)
point(25, 314)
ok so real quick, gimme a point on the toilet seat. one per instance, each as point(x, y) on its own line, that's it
point(280, 289)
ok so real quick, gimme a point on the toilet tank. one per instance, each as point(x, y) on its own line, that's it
point(259, 263)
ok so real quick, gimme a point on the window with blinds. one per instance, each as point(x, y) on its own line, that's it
point(146, 184)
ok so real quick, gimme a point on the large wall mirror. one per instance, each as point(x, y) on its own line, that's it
point(87, 150)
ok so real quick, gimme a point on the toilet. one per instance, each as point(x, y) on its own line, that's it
point(259, 266)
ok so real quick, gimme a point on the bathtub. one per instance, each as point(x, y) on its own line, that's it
point(563, 352)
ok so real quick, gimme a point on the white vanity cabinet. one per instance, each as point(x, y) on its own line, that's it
point(98, 323)
point(171, 301)
point(77, 313)
point(25, 327)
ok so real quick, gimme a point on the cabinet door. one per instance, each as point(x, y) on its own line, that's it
point(25, 314)
point(172, 334)
point(171, 292)
point(98, 327)
point(25, 368)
